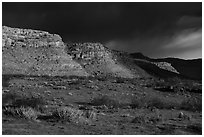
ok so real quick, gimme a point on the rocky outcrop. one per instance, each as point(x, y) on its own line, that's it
point(98, 60)
point(33, 52)
point(165, 66)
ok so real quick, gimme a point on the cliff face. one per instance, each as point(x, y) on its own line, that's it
point(33, 52)
point(98, 60)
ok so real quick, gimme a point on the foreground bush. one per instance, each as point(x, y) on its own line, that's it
point(19, 106)
point(74, 115)
point(24, 112)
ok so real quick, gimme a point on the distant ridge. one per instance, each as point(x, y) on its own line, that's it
point(191, 68)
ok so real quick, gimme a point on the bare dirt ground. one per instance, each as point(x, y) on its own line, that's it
point(100, 106)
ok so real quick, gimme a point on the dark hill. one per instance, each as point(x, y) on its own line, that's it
point(188, 68)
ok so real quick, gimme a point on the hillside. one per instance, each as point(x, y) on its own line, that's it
point(33, 52)
point(191, 69)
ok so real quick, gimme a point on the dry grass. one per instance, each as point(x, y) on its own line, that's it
point(24, 112)
point(19, 106)
point(75, 115)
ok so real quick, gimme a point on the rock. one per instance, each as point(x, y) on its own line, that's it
point(69, 93)
point(48, 92)
point(98, 59)
point(165, 66)
point(183, 116)
point(5, 90)
point(34, 52)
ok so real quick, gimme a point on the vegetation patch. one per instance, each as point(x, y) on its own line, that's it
point(105, 100)
point(23, 112)
point(19, 106)
point(75, 115)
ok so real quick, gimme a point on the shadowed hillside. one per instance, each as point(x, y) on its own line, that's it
point(188, 68)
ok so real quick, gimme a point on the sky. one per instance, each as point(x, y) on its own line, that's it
point(154, 29)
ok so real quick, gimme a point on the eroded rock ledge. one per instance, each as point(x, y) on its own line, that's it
point(33, 52)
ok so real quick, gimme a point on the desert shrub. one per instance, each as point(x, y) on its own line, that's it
point(66, 113)
point(19, 106)
point(25, 112)
point(105, 100)
point(192, 104)
point(74, 115)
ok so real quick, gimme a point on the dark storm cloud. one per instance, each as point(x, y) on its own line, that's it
point(131, 27)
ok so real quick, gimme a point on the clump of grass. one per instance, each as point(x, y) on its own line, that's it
point(20, 106)
point(192, 104)
point(74, 115)
point(24, 112)
point(105, 100)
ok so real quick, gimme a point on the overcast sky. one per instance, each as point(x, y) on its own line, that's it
point(155, 29)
